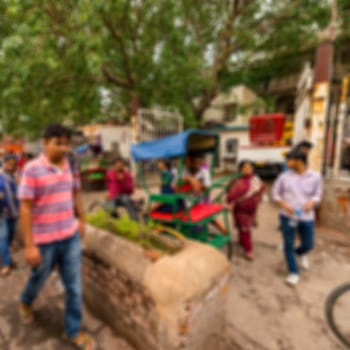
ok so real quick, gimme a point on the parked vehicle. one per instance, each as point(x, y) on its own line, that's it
point(270, 138)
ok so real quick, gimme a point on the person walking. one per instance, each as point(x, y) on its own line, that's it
point(52, 222)
point(244, 197)
point(10, 209)
point(304, 147)
point(298, 192)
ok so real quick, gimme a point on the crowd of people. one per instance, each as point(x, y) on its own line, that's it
point(44, 195)
point(297, 191)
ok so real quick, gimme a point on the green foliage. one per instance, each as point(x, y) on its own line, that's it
point(127, 228)
point(140, 233)
point(99, 219)
point(56, 56)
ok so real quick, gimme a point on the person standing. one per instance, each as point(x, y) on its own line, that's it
point(298, 192)
point(52, 222)
point(244, 197)
point(10, 209)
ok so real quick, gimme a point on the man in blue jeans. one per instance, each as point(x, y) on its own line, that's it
point(52, 222)
point(9, 210)
point(297, 191)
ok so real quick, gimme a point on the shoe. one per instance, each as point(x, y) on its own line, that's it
point(26, 314)
point(292, 279)
point(82, 341)
point(304, 261)
point(13, 265)
point(5, 271)
point(249, 256)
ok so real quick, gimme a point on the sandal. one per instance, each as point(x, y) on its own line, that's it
point(5, 271)
point(26, 314)
point(13, 265)
point(249, 256)
point(82, 341)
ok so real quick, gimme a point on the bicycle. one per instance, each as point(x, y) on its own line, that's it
point(337, 308)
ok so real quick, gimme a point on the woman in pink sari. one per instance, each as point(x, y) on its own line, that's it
point(245, 196)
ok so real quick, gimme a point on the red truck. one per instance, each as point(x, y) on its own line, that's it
point(270, 138)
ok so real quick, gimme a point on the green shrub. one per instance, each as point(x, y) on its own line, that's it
point(143, 234)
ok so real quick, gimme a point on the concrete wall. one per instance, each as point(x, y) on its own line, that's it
point(239, 95)
point(177, 302)
point(117, 134)
point(335, 209)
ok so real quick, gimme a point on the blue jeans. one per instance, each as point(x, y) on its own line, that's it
point(125, 201)
point(306, 230)
point(7, 233)
point(66, 255)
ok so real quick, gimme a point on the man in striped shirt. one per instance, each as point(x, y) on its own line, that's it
point(52, 223)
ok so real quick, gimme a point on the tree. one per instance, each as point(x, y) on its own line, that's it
point(56, 56)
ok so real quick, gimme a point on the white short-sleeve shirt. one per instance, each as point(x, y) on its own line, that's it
point(202, 175)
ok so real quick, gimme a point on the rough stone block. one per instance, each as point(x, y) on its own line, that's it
point(177, 302)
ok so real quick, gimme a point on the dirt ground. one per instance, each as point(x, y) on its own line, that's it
point(263, 312)
point(47, 330)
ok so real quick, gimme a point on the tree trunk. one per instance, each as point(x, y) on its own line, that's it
point(224, 49)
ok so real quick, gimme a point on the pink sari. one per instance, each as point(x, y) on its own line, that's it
point(246, 195)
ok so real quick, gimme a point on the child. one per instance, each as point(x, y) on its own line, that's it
point(166, 187)
point(167, 176)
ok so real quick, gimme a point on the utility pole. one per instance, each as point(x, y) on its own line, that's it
point(324, 68)
point(134, 128)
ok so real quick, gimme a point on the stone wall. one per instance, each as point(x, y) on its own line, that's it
point(119, 300)
point(177, 302)
point(334, 211)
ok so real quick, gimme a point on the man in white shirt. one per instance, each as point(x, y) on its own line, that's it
point(197, 176)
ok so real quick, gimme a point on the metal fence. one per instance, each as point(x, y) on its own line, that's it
point(155, 123)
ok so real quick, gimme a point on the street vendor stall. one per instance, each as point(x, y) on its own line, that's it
point(198, 214)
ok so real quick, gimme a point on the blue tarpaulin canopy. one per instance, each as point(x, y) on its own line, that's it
point(82, 149)
point(189, 141)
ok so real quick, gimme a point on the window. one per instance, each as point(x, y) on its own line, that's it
point(231, 147)
point(230, 112)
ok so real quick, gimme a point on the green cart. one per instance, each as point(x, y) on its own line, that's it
point(191, 215)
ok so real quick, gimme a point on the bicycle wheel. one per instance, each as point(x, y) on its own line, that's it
point(337, 313)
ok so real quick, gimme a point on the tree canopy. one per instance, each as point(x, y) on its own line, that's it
point(57, 58)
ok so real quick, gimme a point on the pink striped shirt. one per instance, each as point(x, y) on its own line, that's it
point(51, 191)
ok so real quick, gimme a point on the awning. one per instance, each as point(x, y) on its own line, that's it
point(188, 142)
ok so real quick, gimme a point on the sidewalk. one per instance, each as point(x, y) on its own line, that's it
point(47, 329)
